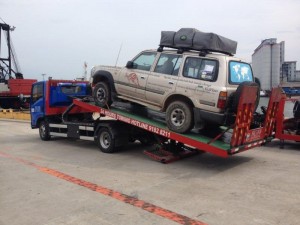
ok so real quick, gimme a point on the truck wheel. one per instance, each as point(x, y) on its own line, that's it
point(105, 140)
point(102, 95)
point(44, 131)
point(179, 117)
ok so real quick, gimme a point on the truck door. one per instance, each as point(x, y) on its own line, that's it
point(163, 80)
point(37, 103)
point(132, 81)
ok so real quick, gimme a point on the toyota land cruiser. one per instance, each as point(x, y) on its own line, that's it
point(192, 85)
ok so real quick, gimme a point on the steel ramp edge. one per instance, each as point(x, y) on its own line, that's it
point(165, 156)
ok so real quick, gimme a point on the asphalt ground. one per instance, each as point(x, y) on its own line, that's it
point(64, 181)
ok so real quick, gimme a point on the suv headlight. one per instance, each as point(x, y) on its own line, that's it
point(93, 71)
point(92, 74)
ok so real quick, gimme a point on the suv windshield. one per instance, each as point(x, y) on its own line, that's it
point(239, 72)
point(144, 61)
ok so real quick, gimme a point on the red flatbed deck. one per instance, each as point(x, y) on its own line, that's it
point(243, 138)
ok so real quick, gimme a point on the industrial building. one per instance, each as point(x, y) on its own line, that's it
point(269, 66)
point(267, 61)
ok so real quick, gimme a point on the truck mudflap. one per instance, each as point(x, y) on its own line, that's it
point(243, 136)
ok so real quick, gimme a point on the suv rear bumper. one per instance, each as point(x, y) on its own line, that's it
point(210, 117)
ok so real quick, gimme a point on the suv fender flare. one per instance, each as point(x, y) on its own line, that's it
point(177, 97)
point(105, 76)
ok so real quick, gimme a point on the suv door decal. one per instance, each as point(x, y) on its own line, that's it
point(133, 78)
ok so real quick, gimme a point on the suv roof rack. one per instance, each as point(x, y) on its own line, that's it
point(192, 39)
point(202, 52)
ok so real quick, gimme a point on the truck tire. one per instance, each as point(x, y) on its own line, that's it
point(105, 140)
point(102, 95)
point(44, 131)
point(237, 95)
point(179, 117)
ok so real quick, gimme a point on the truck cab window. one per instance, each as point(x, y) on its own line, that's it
point(37, 92)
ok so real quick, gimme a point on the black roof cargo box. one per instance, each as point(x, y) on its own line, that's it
point(193, 39)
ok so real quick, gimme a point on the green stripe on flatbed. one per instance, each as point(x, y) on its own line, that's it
point(140, 118)
point(204, 139)
point(198, 137)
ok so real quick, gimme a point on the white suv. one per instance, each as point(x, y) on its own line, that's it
point(191, 88)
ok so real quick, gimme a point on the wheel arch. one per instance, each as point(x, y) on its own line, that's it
point(38, 122)
point(104, 76)
point(103, 125)
point(177, 97)
point(118, 132)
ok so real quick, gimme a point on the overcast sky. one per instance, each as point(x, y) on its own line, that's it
point(56, 37)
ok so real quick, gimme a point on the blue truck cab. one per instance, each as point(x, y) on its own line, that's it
point(52, 97)
point(55, 112)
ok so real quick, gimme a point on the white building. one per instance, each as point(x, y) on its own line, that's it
point(297, 75)
point(267, 61)
point(289, 71)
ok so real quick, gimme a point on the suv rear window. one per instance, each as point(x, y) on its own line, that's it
point(239, 72)
point(202, 69)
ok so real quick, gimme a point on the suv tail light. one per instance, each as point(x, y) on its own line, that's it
point(222, 100)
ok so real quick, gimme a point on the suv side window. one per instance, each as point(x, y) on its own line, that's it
point(144, 61)
point(168, 64)
point(202, 69)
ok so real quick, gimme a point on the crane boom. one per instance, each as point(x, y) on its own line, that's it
point(14, 89)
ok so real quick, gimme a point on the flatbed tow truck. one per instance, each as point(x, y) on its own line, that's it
point(63, 108)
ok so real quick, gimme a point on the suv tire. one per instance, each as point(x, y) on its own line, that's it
point(179, 117)
point(102, 95)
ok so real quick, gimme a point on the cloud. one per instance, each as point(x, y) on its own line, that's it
point(56, 37)
point(286, 32)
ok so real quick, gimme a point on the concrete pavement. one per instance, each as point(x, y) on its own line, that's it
point(259, 186)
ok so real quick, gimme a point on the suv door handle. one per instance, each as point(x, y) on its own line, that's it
point(171, 82)
point(142, 77)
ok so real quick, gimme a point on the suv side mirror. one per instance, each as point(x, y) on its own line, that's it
point(130, 65)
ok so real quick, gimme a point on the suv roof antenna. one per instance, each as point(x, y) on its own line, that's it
point(119, 54)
